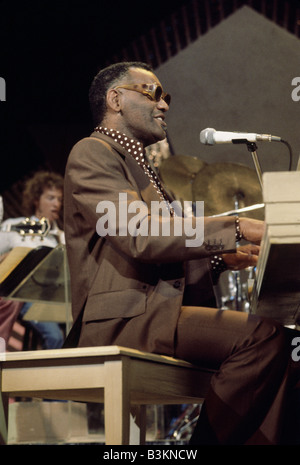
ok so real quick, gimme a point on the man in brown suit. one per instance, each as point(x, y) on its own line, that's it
point(153, 291)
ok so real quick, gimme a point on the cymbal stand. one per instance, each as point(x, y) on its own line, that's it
point(253, 149)
point(238, 298)
point(237, 277)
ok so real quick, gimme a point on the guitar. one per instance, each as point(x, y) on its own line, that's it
point(29, 227)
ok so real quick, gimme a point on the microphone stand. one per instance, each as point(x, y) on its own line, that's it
point(252, 148)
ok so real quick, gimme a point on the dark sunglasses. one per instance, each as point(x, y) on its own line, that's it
point(152, 91)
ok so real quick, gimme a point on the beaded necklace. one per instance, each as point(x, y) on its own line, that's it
point(136, 150)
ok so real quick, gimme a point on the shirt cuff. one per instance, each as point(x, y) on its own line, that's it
point(218, 265)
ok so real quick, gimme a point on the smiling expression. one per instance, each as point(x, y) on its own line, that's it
point(142, 118)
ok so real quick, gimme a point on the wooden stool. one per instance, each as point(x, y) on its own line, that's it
point(125, 380)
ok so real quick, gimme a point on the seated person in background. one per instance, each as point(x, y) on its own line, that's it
point(42, 198)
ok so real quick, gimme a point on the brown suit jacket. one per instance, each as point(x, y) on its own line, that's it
point(130, 289)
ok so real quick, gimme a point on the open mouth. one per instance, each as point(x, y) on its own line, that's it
point(162, 121)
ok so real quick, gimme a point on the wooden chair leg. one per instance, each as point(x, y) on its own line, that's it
point(116, 403)
point(3, 419)
point(137, 425)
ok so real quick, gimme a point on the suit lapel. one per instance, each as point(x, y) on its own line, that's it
point(146, 188)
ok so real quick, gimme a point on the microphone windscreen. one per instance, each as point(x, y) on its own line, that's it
point(207, 136)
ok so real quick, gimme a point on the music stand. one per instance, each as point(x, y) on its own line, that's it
point(47, 286)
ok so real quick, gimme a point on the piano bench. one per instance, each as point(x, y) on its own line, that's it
point(125, 380)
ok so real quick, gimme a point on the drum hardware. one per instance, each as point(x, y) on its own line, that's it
point(240, 210)
point(236, 293)
point(219, 185)
point(230, 189)
point(178, 174)
point(183, 427)
point(227, 189)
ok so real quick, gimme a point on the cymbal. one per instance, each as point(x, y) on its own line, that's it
point(178, 173)
point(228, 186)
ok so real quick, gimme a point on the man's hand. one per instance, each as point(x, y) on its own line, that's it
point(252, 230)
point(245, 255)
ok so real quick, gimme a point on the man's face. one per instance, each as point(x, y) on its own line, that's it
point(49, 204)
point(142, 118)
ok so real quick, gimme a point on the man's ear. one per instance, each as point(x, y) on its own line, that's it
point(113, 100)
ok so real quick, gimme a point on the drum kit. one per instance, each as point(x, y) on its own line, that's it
point(226, 189)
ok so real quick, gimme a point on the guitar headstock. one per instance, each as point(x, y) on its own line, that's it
point(30, 227)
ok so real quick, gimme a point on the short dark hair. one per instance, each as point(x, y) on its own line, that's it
point(103, 81)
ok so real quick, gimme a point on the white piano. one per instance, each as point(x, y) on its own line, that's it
point(276, 289)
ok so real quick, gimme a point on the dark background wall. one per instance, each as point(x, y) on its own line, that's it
point(49, 53)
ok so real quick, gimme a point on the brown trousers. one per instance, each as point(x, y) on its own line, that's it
point(247, 398)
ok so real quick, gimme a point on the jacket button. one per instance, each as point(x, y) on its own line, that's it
point(176, 284)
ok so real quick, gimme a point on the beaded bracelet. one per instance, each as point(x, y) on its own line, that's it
point(238, 233)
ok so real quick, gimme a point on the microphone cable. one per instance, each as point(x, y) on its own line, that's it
point(290, 153)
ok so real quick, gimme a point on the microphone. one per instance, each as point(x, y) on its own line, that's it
point(210, 136)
